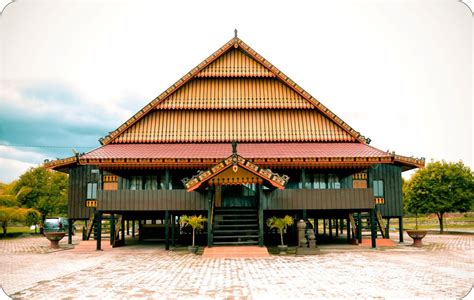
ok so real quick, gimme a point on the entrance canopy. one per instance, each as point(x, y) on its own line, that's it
point(235, 170)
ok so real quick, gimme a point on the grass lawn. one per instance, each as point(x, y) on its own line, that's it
point(15, 231)
point(452, 221)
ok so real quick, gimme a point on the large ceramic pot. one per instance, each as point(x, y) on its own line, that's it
point(283, 249)
point(54, 238)
point(192, 249)
point(417, 236)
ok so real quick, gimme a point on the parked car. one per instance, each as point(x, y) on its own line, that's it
point(58, 224)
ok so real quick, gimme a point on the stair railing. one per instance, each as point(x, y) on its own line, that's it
point(90, 226)
point(211, 221)
point(381, 224)
point(353, 225)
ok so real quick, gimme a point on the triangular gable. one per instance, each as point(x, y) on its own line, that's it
point(235, 63)
point(236, 43)
point(234, 163)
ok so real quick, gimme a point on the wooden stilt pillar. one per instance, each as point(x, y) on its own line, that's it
point(123, 231)
point(112, 229)
point(173, 222)
point(400, 229)
point(99, 230)
point(330, 228)
point(167, 229)
point(348, 228)
point(337, 227)
point(316, 227)
point(133, 228)
point(359, 227)
point(128, 228)
point(324, 226)
point(373, 228)
point(69, 231)
point(387, 229)
point(341, 222)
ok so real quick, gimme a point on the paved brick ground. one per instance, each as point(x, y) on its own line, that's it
point(444, 268)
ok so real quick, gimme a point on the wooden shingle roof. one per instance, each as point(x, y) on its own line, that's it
point(234, 94)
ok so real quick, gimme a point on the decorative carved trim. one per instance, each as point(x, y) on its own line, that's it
point(234, 161)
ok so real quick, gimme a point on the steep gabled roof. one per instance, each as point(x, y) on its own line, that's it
point(223, 62)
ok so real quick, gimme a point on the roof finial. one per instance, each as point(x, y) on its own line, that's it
point(234, 147)
point(235, 33)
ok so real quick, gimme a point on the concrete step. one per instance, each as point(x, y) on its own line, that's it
point(235, 252)
point(227, 243)
point(226, 226)
point(236, 236)
point(218, 233)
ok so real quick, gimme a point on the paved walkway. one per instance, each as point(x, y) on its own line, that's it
point(444, 268)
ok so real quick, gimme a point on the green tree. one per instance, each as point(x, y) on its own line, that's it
point(196, 222)
point(9, 205)
point(48, 191)
point(11, 214)
point(32, 217)
point(439, 188)
point(280, 224)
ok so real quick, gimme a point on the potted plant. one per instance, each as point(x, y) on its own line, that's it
point(196, 222)
point(280, 224)
point(416, 234)
point(414, 204)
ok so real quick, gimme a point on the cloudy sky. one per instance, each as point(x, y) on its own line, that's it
point(398, 71)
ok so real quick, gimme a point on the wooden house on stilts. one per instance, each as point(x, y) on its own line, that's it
point(237, 141)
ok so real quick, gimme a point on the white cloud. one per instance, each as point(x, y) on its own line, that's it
point(22, 156)
point(12, 169)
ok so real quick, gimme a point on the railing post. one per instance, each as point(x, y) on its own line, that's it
point(210, 215)
point(260, 216)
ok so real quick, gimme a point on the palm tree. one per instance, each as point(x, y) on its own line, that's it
point(281, 224)
point(196, 222)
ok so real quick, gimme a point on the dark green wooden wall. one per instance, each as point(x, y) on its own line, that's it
point(392, 180)
point(78, 179)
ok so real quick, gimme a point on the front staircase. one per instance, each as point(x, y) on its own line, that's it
point(235, 226)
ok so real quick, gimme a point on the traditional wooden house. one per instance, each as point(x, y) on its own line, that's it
point(238, 141)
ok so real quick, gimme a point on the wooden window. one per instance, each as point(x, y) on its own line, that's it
point(92, 191)
point(334, 181)
point(151, 182)
point(319, 181)
point(250, 189)
point(322, 181)
point(135, 183)
point(378, 188)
